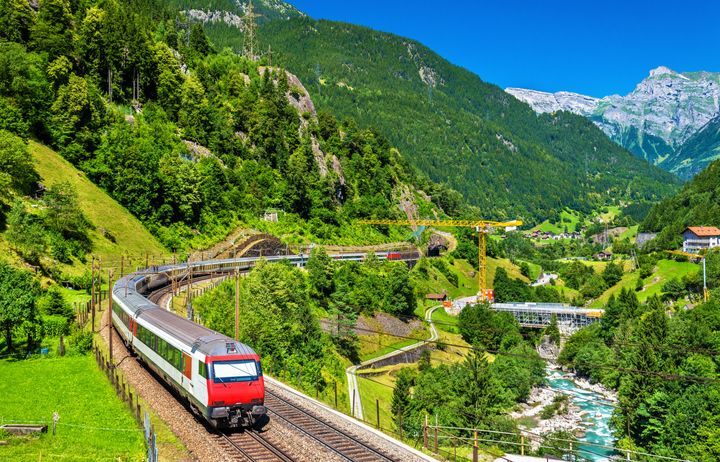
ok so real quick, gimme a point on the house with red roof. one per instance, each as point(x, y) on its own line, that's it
point(697, 238)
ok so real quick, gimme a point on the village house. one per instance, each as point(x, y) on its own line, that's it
point(696, 238)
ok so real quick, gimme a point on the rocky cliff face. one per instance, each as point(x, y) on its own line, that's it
point(654, 120)
point(231, 12)
point(553, 102)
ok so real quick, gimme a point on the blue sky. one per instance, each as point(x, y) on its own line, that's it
point(587, 46)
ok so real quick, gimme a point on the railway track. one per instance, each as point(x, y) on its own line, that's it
point(159, 293)
point(252, 446)
point(337, 440)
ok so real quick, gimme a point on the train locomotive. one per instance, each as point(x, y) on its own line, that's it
point(221, 379)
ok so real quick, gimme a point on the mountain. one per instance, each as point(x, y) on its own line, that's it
point(697, 204)
point(451, 125)
point(193, 142)
point(698, 151)
point(231, 11)
point(653, 121)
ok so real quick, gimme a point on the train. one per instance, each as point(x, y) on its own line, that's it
point(220, 378)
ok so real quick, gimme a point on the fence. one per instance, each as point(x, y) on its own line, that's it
point(83, 311)
point(130, 397)
point(437, 437)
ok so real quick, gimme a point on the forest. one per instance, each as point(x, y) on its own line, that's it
point(191, 139)
point(455, 128)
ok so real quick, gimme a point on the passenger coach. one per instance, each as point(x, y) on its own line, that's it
point(222, 379)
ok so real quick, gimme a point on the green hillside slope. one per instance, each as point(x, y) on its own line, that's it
point(453, 126)
point(115, 231)
point(697, 204)
point(697, 152)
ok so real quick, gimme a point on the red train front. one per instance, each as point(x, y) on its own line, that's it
point(235, 390)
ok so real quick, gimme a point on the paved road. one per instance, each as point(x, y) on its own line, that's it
point(354, 391)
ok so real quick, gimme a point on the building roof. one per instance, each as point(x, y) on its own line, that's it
point(704, 231)
point(436, 296)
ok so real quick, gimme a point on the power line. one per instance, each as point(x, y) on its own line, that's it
point(568, 394)
point(663, 375)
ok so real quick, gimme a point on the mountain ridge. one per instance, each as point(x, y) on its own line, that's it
point(450, 124)
point(653, 121)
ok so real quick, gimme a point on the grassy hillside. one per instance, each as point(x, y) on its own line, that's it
point(652, 285)
point(111, 221)
point(698, 204)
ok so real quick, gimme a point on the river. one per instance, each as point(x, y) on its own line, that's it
point(596, 412)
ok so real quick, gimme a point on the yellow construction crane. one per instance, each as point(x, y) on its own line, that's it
point(706, 292)
point(482, 227)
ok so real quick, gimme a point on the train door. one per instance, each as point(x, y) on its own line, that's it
point(187, 366)
point(201, 389)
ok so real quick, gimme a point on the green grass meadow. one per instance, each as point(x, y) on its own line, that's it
point(664, 271)
point(94, 424)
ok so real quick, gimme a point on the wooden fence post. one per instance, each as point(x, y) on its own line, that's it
point(377, 412)
point(425, 432)
point(475, 446)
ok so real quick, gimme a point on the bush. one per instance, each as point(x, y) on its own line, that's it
point(82, 341)
point(55, 325)
point(645, 271)
point(53, 304)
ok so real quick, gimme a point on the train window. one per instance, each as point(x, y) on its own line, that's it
point(202, 369)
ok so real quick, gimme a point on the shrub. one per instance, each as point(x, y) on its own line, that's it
point(82, 341)
point(55, 325)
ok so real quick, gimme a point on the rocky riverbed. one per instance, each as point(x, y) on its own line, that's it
point(589, 409)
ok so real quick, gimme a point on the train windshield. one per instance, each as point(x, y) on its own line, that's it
point(235, 371)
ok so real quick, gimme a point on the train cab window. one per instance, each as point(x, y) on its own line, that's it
point(235, 371)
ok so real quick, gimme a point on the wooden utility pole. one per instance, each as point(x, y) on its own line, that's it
point(188, 298)
point(237, 305)
point(110, 313)
point(425, 432)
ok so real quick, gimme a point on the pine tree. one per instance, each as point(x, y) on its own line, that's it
point(401, 397)
point(553, 331)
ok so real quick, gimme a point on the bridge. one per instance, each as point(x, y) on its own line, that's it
point(538, 315)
